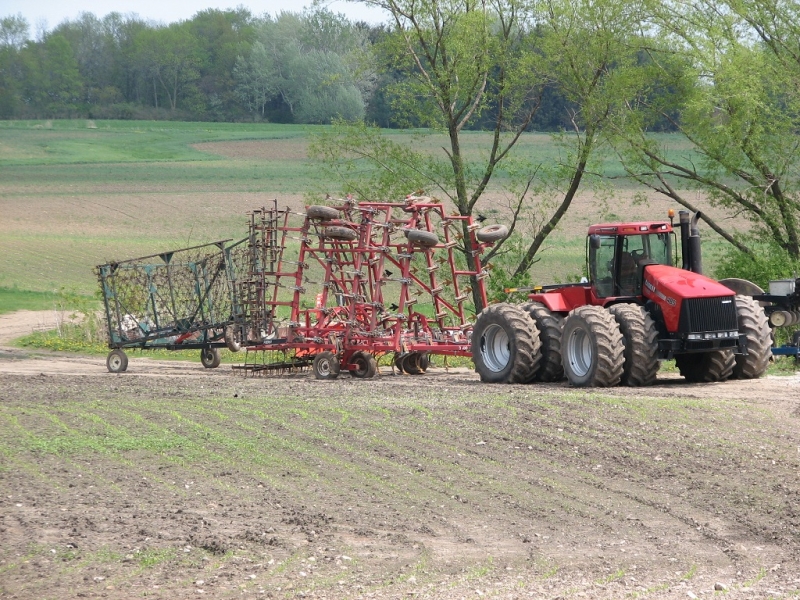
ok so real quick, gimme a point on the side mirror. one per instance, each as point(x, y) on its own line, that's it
point(594, 241)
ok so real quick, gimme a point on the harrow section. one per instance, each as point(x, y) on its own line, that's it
point(338, 287)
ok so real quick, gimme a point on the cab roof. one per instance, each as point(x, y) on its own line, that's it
point(635, 228)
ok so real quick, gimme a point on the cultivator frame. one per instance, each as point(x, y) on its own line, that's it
point(372, 263)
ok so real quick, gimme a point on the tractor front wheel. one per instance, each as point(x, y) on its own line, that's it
point(592, 348)
point(755, 327)
point(706, 367)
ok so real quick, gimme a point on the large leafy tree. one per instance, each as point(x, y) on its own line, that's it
point(454, 60)
point(733, 72)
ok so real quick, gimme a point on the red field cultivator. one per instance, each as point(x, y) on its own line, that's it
point(338, 287)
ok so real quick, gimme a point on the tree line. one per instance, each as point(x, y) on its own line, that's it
point(220, 65)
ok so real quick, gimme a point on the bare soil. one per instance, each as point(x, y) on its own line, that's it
point(434, 486)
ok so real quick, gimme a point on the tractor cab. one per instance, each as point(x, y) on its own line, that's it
point(617, 254)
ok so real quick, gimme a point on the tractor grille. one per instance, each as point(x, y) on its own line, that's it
point(708, 314)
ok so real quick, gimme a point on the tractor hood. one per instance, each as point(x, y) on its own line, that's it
point(671, 285)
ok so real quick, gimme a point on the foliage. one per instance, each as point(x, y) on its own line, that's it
point(730, 69)
point(767, 262)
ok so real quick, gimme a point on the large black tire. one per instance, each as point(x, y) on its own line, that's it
point(706, 367)
point(505, 345)
point(754, 325)
point(323, 213)
point(640, 336)
point(366, 365)
point(592, 348)
point(492, 233)
point(427, 239)
point(233, 337)
point(117, 361)
point(337, 232)
point(325, 366)
point(210, 357)
point(549, 326)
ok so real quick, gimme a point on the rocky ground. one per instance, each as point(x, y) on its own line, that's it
point(173, 481)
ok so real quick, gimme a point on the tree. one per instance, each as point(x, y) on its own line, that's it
point(256, 78)
point(14, 32)
point(592, 51)
point(170, 57)
point(737, 93)
point(455, 59)
point(52, 83)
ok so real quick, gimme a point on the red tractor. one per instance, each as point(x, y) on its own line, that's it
point(635, 310)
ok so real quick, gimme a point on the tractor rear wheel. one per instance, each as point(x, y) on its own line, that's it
point(754, 325)
point(549, 326)
point(706, 367)
point(505, 345)
point(592, 348)
point(640, 336)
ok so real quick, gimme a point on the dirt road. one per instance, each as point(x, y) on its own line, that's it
point(173, 481)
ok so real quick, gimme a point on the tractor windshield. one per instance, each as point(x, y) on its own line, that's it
point(616, 265)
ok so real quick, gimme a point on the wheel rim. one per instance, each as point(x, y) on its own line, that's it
point(324, 367)
point(495, 348)
point(115, 362)
point(581, 355)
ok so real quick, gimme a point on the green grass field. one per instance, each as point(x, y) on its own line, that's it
point(74, 194)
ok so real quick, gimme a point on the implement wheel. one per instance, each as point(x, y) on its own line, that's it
point(117, 361)
point(492, 233)
point(233, 338)
point(416, 363)
point(426, 239)
point(505, 345)
point(337, 232)
point(323, 213)
point(326, 366)
point(366, 365)
point(591, 347)
point(210, 358)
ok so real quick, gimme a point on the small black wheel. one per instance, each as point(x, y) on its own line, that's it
point(336, 232)
point(117, 361)
point(411, 364)
point(326, 366)
point(323, 213)
point(492, 233)
point(233, 338)
point(210, 357)
point(427, 239)
point(366, 365)
point(398, 362)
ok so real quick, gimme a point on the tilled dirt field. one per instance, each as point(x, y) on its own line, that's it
point(172, 481)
